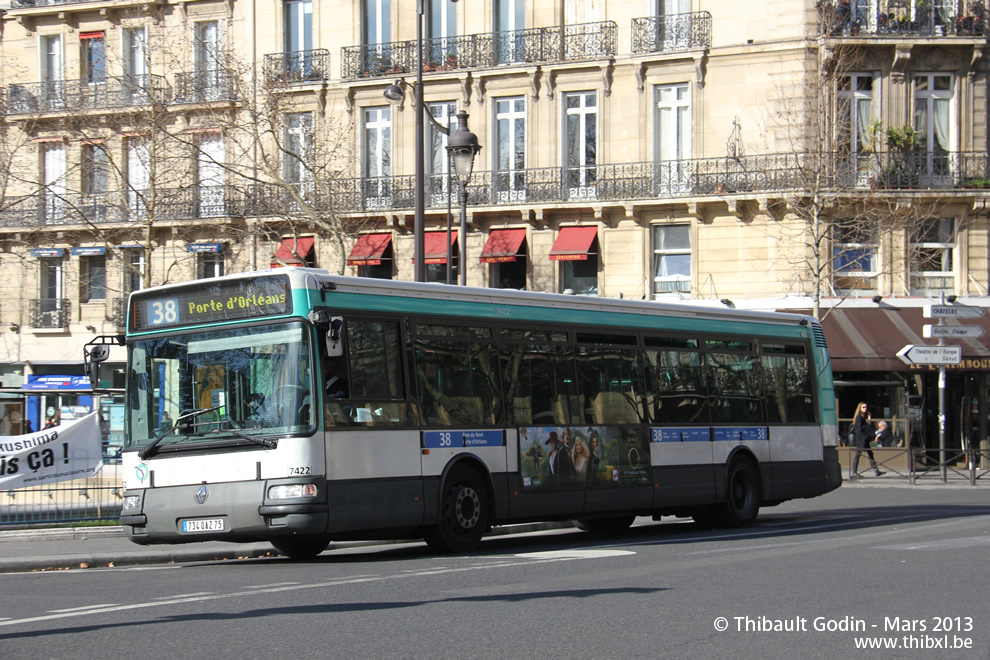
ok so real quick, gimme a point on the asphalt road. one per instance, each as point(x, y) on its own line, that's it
point(813, 579)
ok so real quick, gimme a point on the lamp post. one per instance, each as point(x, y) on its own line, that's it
point(462, 145)
point(395, 94)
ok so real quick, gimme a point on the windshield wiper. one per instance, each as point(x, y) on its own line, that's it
point(149, 449)
point(264, 442)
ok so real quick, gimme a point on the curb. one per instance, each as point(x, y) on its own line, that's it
point(174, 554)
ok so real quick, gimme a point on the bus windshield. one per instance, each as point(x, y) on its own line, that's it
point(259, 379)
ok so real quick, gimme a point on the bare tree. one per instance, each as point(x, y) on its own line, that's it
point(847, 176)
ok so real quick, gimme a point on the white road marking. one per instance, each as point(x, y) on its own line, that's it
point(592, 553)
point(83, 608)
point(180, 600)
point(268, 586)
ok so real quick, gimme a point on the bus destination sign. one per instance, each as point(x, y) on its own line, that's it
point(226, 300)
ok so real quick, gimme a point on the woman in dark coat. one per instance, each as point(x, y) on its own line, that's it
point(863, 435)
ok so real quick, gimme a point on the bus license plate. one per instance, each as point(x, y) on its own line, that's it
point(203, 525)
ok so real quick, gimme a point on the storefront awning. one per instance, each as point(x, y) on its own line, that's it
point(369, 249)
point(502, 246)
point(293, 251)
point(435, 246)
point(863, 339)
point(573, 243)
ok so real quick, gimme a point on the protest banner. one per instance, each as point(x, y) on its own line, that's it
point(61, 453)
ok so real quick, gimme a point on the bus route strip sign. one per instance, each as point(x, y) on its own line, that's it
point(912, 354)
point(447, 439)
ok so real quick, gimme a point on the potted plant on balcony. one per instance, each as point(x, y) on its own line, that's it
point(378, 65)
point(904, 146)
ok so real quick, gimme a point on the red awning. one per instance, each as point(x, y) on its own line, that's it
point(369, 249)
point(293, 252)
point(435, 246)
point(868, 339)
point(573, 243)
point(502, 246)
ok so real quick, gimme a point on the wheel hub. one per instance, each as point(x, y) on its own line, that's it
point(467, 508)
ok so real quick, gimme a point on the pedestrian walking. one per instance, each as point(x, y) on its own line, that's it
point(863, 435)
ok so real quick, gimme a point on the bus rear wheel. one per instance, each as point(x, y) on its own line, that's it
point(742, 499)
point(463, 513)
point(742, 496)
point(605, 525)
point(301, 548)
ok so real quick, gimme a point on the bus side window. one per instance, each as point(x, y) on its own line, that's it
point(736, 394)
point(457, 375)
point(787, 384)
point(373, 384)
point(675, 379)
point(540, 383)
point(609, 379)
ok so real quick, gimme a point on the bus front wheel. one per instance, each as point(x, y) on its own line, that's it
point(302, 548)
point(463, 513)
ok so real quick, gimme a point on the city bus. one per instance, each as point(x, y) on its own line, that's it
point(300, 408)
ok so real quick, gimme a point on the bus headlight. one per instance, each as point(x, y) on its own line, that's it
point(132, 504)
point(292, 491)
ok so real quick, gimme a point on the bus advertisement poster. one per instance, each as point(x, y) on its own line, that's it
point(556, 457)
point(61, 453)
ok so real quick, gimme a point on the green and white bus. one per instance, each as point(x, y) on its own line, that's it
point(298, 407)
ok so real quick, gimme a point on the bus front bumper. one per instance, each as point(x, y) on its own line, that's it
point(236, 511)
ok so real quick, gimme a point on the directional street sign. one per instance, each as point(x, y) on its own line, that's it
point(953, 312)
point(951, 331)
point(912, 354)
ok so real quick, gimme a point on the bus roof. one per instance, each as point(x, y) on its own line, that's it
point(320, 279)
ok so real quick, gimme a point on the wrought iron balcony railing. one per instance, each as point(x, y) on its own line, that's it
point(535, 45)
point(626, 182)
point(672, 32)
point(31, 4)
point(903, 18)
point(76, 95)
point(297, 66)
point(28, 4)
point(204, 87)
point(49, 313)
point(166, 204)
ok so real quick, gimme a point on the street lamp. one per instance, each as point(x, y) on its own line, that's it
point(462, 146)
point(395, 94)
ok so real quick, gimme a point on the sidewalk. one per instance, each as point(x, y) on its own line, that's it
point(100, 547)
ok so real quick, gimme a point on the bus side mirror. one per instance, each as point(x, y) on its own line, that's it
point(335, 344)
point(92, 359)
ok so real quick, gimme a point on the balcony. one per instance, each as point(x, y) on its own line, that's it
point(303, 66)
point(204, 87)
point(49, 313)
point(33, 4)
point(71, 96)
point(630, 182)
point(189, 203)
point(672, 33)
point(904, 19)
point(533, 46)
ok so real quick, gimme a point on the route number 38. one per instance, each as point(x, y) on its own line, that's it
point(163, 311)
